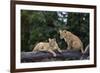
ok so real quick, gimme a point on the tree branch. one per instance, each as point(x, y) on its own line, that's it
point(46, 56)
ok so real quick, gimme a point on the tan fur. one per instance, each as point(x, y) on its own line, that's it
point(72, 40)
point(47, 46)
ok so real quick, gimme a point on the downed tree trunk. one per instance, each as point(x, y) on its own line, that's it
point(46, 56)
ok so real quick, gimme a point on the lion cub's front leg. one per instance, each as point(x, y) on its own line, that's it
point(59, 50)
point(51, 51)
point(68, 43)
point(69, 47)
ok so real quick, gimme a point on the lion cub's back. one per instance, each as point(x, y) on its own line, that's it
point(42, 46)
point(76, 42)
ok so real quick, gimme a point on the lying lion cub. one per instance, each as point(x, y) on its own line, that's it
point(48, 46)
point(72, 40)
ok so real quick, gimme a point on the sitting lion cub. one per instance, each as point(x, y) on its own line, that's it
point(48, 46)
point(72, 40)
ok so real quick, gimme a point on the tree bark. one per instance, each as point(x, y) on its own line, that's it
point(40, 56)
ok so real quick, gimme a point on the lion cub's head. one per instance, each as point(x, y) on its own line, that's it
point(52, 42)
point(64, 33)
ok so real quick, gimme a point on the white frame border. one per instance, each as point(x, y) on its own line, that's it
point(56, 63)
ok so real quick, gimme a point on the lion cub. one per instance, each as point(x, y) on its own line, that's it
point(72, 40)
point(48, 46)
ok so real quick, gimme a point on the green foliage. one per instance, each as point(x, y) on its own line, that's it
point(37, 26)
point(78, 23)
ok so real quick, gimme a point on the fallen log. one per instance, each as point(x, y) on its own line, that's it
point(40, 56)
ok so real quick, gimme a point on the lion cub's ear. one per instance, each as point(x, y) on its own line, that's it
point(60, 31)
point(49, 39)
point(65, 31)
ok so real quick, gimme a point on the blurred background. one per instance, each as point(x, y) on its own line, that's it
point(37, 26)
